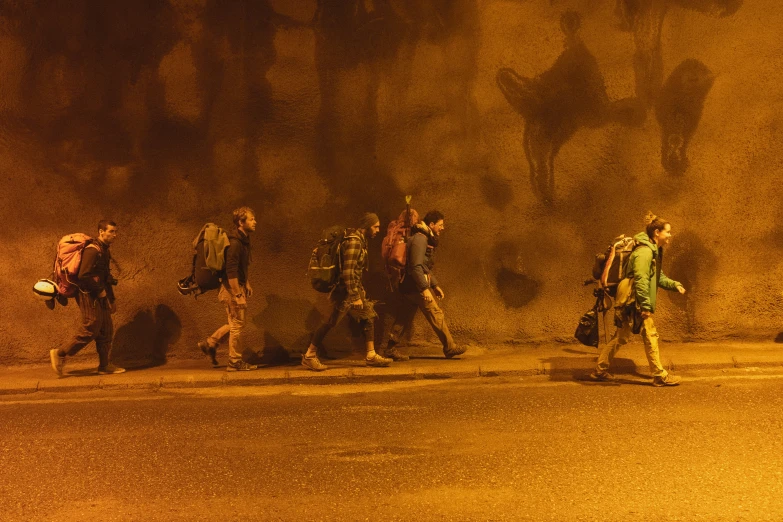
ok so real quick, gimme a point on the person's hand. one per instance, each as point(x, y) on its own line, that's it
point(681, 289)
point(646, 314)
point(439, 292)
point(102, 294)
point(358, 304)
point(248, 289)
point(427, 296)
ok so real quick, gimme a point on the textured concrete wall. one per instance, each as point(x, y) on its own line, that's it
point(541, 128)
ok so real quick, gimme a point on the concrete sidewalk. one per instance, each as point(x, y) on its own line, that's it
point(560, 361)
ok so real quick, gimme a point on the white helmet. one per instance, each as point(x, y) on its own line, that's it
point(45, 289)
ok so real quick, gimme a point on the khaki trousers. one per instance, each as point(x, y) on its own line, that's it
point(622, 336)
point(403, 320)
point(236, 322)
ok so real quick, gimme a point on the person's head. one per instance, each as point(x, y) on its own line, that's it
point(658, 229)
point(245, 219)
point(370, 224)
point(107, 231)
point(434, 220)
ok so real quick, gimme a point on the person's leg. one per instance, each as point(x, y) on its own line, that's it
point(105, 338)
point(84, 335)
point(236, 324)
point(621, 337)
point(372, 358)
point(310, 359)
point(650, 337)
point(403, 319)
point(437, 320)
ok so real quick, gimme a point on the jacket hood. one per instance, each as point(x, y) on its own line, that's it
point(644, 239)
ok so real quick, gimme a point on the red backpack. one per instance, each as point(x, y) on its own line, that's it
point(394, 248)
point(68, 261)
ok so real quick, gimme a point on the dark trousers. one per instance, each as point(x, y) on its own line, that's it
point(364, 316)
point(406, 311)
point(96, 326)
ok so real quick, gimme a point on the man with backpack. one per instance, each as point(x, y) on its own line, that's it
point(234, 291)
point(95, 298)
point(348, 296)
point(636, 298)
point(420, 288)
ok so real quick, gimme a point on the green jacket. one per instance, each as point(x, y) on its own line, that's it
point(641, 267)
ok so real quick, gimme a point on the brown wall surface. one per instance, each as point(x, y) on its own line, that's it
point(541, 128)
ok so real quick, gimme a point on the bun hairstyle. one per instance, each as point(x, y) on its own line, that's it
point(654, 223)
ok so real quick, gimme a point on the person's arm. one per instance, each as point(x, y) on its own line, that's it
point(670, 284)
point(233, 255)
point(351, 249)
point(642, 266)
point(87, 277)
point(417, 251)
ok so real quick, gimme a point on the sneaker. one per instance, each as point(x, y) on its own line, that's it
point(58, 363)
point(454, 351)
point(110, 369)
point(241, 366)
point(312, 363)
point(666, 380)
point(377, 361)
point(209, 351)
point(395, 355)
point(601, 376)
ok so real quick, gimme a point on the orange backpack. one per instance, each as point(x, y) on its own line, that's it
point(394, 248)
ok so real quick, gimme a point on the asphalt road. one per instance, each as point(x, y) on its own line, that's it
point(477, 449)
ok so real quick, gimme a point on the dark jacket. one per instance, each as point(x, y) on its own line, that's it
point(238, 256)
point(421, 252)
point(95, 270)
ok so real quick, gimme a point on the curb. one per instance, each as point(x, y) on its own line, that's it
point(364, 376)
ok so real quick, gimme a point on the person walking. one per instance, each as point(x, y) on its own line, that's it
point(96, 302)
point(636, 299)
point(349, 298)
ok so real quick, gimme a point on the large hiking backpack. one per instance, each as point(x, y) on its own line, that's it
point(67, 262)
point(326, 260)
point(209, 261)
point(394, 248)
point(609, 267)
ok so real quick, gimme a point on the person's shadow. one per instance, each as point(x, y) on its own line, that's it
point(145, 340)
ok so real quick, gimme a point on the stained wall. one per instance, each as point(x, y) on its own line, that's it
point(541, 129)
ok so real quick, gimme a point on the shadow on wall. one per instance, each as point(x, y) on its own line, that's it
point(145, 340)
point(288, 325)
point(516, 287)
point(693, 265)
point(569, 96)
point(679, 109)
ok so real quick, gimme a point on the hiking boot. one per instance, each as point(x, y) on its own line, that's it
point(395, 355)
point(601, 376)
point(110, 369)
point(209, 351)
point(377, 361)
point(58, 362)
point(457, 350)
point(666, 380)
point(312, 363)
point(241, 366)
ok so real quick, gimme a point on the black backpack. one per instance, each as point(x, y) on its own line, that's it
point(326, 260)
point(209, 261)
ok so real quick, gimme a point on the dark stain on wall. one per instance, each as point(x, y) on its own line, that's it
point(509, 261)
point(145, 340)
point(569, 96)
point(516, 290)
point(498, 192)
point(679, 109)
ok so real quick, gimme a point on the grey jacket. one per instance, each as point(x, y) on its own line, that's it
point(421, 250)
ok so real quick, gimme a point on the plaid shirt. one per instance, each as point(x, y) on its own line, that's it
point(354, 250)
